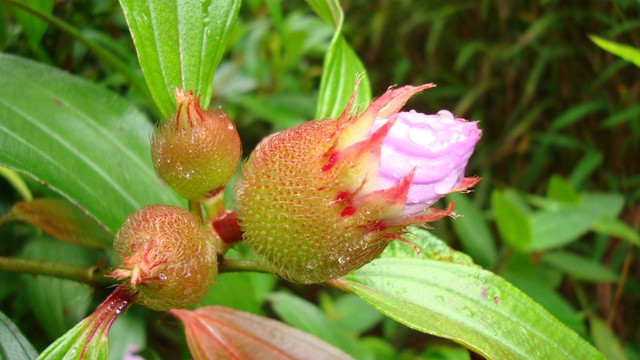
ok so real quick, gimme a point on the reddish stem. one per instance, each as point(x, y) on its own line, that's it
point(103, 317)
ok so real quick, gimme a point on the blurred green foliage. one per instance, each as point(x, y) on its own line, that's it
point(557, 212)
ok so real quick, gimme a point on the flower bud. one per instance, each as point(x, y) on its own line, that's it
point(195, 152)
point(438, 147)
point(322, 199)
point(166, 257)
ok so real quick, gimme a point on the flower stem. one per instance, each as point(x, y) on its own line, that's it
point(196, 209)
point(214, 205)
point(232, 265)
point(93, 275)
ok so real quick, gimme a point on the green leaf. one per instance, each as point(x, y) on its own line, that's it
point(329, 10)
point(555, 228)
point(341, 67)
point(542, 293)
point(179, 44)
point(241, 291)
point(628, 115)
point(353, 315)
point(217, 332)
point(576, 113)
point(605, 340)
point(585, 167)
point(614, 227)
point(307, 317)
point(473, 231)
point(626, 52)
point(128, 331)
point(13, 345)
point(513, 225)
point(561, 190)
point(604, 204)
point(84, 141)
point(32, 26)
point(466, 304)
point(580, 267)
point(4, 27)
point(58, 304)
point(429, 246)
point(445, 352)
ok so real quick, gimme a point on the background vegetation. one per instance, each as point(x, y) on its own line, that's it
point(557, 213)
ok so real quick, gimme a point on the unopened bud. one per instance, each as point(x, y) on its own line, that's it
point(195, 151)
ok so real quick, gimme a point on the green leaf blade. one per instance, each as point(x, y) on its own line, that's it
point(580, 267)
point(94, 153)
point(341, 68)
point(307, 317)
point(552, 229)
point(468, 305)
point(473, 231)
point(179, 44)
point(13, 345)
point(513, 225)
point(33, 27)
point(626, 52)
point(449, 297)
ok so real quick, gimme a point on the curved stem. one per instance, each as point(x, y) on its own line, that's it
point(136, 81)
point(195, 209)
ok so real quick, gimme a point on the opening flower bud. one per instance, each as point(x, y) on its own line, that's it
point(322, 199)
point(436, 147)
point(195, 151)
point(166, 256)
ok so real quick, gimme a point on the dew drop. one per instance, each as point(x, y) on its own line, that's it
point(421, 134)
point(446, 113)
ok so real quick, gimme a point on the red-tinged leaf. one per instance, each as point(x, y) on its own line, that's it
point(217, 332)
point(64, 221)
point(88, 340)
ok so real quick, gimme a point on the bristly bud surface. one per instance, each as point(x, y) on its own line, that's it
point(195, 151)
point(322, 199)
point(166, 257)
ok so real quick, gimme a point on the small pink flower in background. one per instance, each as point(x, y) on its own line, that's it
point(130, 353)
